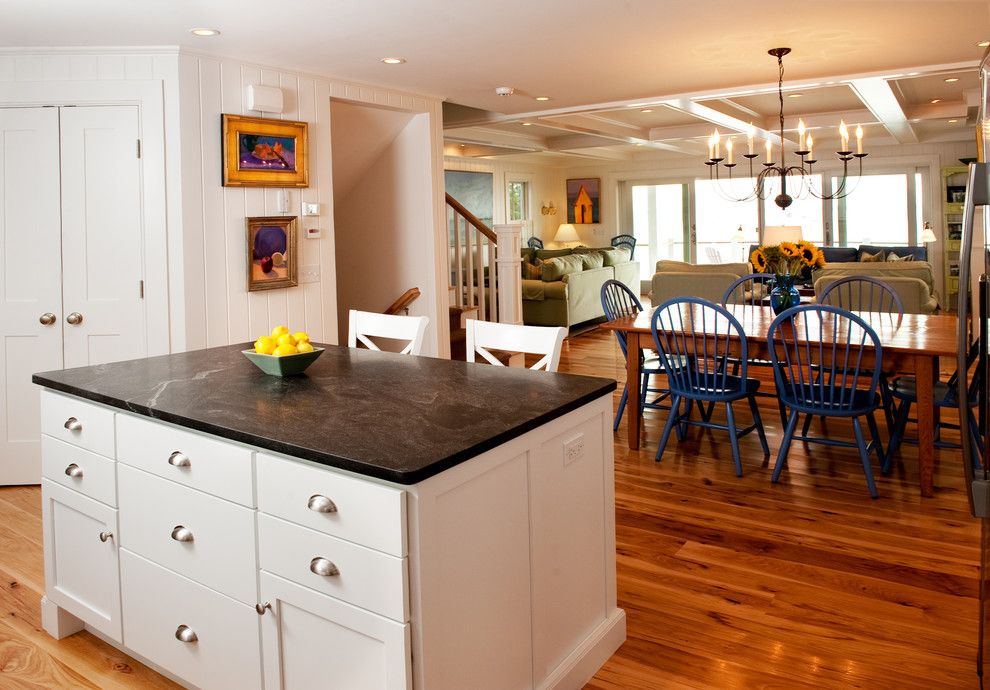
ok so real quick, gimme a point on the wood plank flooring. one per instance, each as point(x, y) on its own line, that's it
point(726, 582)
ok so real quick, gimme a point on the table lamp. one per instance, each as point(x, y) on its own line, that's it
point(775, 234)
point(566, 233)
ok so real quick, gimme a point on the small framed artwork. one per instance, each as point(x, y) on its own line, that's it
point(272, 253)
point(258, 152)
point(584, 200)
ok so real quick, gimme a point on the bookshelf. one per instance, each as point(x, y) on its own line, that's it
point(953, 195)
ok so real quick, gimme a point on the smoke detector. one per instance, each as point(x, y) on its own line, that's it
point(504, 90)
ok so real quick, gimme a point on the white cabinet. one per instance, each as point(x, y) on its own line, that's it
point(81, 573)
point(314, 641)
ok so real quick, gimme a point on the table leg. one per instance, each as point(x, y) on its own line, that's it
point(632, 385)
point(924, 371)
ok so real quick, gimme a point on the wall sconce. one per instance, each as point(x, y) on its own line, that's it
point(548, 209)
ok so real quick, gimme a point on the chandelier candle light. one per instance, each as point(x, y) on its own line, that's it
point(771, 168)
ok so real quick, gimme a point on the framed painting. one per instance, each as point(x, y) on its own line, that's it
point(258, 152)
point(584, 200)
point(272, 252)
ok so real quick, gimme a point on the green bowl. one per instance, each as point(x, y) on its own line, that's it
point(289, 365)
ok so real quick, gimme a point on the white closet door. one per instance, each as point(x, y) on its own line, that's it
point(30, 282)
point(102, 249)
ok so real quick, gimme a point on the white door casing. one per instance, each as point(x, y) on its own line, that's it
point(30, 281)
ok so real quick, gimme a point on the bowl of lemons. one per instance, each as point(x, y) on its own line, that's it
point(283, 353)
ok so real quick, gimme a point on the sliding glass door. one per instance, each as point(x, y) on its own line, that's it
point(659, 223)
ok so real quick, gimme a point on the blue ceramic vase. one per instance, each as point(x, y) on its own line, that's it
point(783, 295)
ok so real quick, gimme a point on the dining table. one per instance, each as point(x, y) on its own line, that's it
point(909, 343)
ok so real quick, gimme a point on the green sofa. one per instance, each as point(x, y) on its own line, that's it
point(562, 287)
point(681, 279)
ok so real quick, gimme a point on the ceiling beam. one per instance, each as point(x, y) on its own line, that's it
point(719, 119)
point(602, 130)
point(878, 95)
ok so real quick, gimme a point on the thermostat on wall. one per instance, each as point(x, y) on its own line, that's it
point(312, 233)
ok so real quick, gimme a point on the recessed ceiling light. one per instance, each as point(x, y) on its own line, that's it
point(952, 122)
point(983, 44)
point(795, 95)
point(646, 110)
point(543, 98)
point(950, 80)
point(527, 124)
point(936, 100)
point(204, 32)
point(393, 60)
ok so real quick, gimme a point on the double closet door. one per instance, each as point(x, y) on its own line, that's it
point(71, 258)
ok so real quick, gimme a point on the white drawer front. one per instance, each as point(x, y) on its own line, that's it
point(226, 651)
point(220, 553)
point(78, 422)
point(208, 464)
point(79, 469)
point(366, 578)
point(365, 513)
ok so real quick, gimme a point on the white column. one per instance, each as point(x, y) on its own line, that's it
point(509, 272)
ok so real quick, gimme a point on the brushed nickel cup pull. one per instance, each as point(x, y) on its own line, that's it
point(105, 535)
point(321, 504)
point(179, 459)
point(262, 608)
point(74, 471)
point(324, 567)
point(181, 533)
point(73, 424)
point(47, 319)
point(74, 319)
point(185, 634)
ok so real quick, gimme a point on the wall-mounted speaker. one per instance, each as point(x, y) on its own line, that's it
point(265, 99)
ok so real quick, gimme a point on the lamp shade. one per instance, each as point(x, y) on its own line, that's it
point(927, 235)
point(775, 234)
point(566, 233)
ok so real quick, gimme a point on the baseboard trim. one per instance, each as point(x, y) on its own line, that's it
point(589, 656)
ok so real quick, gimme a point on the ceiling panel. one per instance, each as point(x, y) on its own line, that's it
point(828, 99)
point(922, 89)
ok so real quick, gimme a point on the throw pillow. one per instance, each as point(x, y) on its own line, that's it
point(559, 266)
point(592, 260)
point(867, 258)
point(614, 257)
point(893, 257)
point(532, 270)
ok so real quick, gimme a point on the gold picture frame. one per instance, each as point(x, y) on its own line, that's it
point(272, 253)
point(259, 152)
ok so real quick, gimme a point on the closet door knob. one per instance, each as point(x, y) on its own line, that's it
point(74, 319)
point(74, 471)
point(261, 608)
point(185, 634)
point(181, 533)
point(323, 566)
point(47, 319)
point(104, 536)
point(179, 459)
point(321, 504)
point(73, 424)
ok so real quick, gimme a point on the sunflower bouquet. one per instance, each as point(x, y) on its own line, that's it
point(786, 258)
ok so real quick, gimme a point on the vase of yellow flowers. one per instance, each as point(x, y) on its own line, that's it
point(786, 261)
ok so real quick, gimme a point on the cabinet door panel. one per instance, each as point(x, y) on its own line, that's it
point(81, 570)
point(313, 641)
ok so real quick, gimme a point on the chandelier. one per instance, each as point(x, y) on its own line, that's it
point(800, 173)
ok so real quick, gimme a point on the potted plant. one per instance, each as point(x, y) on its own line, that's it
point(785, 260)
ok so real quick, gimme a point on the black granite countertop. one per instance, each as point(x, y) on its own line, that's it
point(397, 417)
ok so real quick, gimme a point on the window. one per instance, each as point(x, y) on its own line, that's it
point(718, 218)
point(658, 225)
point(806, 210)
point(518, 201)
point(875, 211)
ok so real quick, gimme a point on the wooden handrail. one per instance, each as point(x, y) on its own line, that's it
point(472, 219)
point(407, 298)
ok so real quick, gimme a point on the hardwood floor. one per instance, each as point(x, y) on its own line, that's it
point(726, 582)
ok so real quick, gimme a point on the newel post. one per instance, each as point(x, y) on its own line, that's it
point(508, 260)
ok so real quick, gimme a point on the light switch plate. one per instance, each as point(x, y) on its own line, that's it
point(310, 209)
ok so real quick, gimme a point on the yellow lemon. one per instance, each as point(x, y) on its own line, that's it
point(279, 330)
point(286, 339)
point(304, 346)
point(285, 349)
point(264, 345)
point(301, 336)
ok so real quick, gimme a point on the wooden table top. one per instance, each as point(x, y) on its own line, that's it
point(928, 334)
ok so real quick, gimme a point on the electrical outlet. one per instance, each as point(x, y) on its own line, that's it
point(309, 274)
point(573, 449)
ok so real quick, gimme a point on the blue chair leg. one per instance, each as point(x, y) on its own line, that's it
point(785, 445)
point(758, 421)
point(671, 418)
point(733, 440)
point(807, 425)
point(622, 407)
point(887, 398)
point(864, 458)
point(977, 441)
point(645, 379)
point(897, 437)
point(877, 444)
point(684, 417)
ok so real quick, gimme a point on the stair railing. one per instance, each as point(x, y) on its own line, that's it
point(402, 304)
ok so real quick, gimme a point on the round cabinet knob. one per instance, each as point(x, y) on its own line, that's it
point(261, 608)
point(185, 634)
point(323, 566)
point(181, 533)
point(179, 459)
point(74, 471)
point(74, 319)
point(104, 536)
point(321, 504)
point(73, 424)
point(47, 319)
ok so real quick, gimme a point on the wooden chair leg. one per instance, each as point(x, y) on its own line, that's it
point(733, 438)
point(622, 407)
point(785, 445)
point(864, 457)
point(671, 419)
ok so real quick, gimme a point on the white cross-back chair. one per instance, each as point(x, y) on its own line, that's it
point(362, 325)
point(483, 336)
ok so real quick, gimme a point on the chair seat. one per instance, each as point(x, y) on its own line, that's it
point(906, 388)
point(807, 398)
point(735, 388)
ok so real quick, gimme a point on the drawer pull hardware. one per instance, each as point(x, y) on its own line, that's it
point(262, 608)
point(178, 459)
point(73, 424)
point(321, 504)
point(181, 533)
point(185, 634)
point(74, 471)
point(105, 535)
point(324, 567)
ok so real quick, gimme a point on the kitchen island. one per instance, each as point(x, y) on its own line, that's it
point(383, 521)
